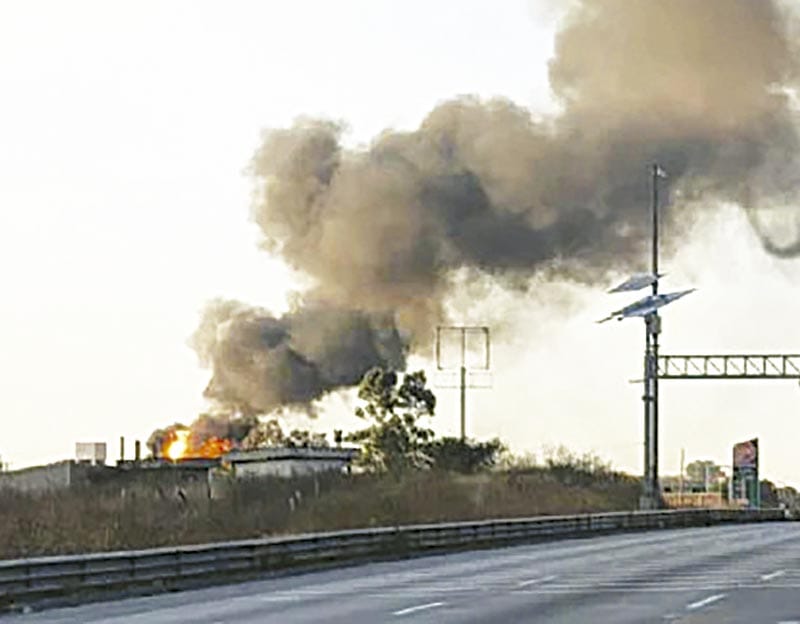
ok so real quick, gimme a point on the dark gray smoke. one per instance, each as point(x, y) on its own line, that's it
point(699, 87)
point(262, 362)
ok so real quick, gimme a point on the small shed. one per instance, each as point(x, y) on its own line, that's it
point(289, 461)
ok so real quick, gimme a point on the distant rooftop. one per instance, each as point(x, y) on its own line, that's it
point(290, 452)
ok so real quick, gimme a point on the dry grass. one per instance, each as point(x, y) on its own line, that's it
point(149, 514)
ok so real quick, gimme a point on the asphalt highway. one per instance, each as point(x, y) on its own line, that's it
point(736, 574)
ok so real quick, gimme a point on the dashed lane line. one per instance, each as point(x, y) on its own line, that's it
point(772, 575)
point(705, 602)
point(536, 581)
point(423, 607)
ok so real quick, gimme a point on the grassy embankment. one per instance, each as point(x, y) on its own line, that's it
point(145, 515)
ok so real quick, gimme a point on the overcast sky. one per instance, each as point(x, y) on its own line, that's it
point(125, 132)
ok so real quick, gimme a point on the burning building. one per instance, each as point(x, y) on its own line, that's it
point(208, 437)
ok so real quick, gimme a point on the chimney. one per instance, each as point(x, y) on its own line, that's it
point(137, 451)
point(122, 449)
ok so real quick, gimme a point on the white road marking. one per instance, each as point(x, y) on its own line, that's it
point(279, 598)
point(773, 575)
point(535, 581)
point(424, 607)
point(705, 602)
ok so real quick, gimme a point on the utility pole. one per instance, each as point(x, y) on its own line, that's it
point(656, 329)
point(651, 491)
point(648, 308)
point(463, 384)
point(647, 494)
point(730, 488)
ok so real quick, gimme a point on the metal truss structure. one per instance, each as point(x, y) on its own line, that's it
point(751, 366)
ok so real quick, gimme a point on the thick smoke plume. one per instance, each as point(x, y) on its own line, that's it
point(261, 362)
point(702, 88)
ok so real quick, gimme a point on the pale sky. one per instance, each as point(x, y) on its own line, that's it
point(125, 130)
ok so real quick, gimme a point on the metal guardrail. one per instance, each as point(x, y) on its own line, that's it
point(72, 578)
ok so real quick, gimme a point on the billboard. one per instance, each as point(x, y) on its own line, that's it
point(745, 454)
point(745, 482)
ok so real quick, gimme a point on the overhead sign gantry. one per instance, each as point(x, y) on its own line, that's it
point(749, 366)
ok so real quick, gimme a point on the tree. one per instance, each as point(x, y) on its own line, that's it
point(702, 471)
point(394, 442)
point(769, 494)
point(466, 456)
point(307, 439)
point(570, 468)
point(270, 434)
point(266, 433)
point(789, 498)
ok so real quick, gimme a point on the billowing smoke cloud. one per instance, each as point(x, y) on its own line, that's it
point(261, 362)
point(702, 88)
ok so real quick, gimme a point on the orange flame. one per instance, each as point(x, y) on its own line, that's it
point(214, 447)
point(179, 445)
point(176, 446)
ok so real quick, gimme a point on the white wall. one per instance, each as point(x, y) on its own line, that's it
point(43, 478)
point(287, 467)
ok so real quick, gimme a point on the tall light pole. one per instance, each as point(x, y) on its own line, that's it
point(651, 494)
point(647, 308)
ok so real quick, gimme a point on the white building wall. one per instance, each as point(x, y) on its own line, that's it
point(286, 467)
point(43, 478)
